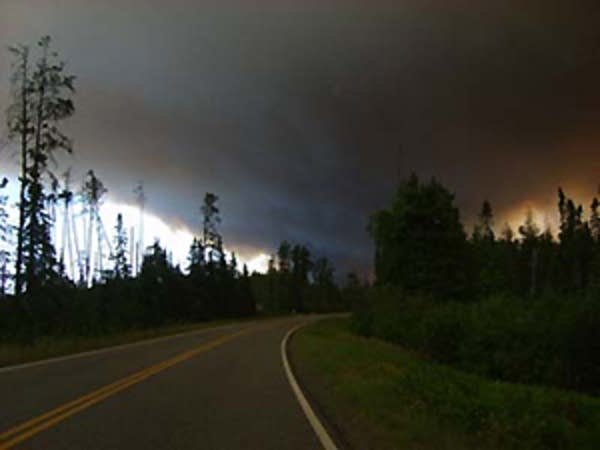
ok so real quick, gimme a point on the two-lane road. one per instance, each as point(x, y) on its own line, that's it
point(222, 388)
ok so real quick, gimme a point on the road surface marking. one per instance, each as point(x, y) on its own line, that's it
point(314, 421)
point(26, 430)
point(118, 347)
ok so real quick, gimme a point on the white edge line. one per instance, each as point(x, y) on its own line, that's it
point(114, 348)
point(314, 421)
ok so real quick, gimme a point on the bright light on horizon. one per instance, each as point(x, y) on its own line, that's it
point(175, 239)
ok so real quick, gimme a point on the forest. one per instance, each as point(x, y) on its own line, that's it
point(519, 306)
point(87, 289)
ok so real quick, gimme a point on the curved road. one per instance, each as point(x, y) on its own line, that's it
point(221, 388)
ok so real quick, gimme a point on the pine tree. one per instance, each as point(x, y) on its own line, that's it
point(420, 243)
point(283, 256)
point(233, 265)
point(530, 233)
point(507, 234)
point(483, 231)
point(301, 266)
point(20, 126)
point(51, 104)
point(196, 256)
point(323, 272)
point(121, 269)
point(575, 243)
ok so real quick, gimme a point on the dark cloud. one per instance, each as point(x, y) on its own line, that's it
point(302, 115)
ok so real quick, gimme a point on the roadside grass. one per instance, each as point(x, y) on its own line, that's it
point(50, 347)
point(381, 396)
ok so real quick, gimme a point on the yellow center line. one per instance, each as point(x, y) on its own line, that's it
point(26, 430)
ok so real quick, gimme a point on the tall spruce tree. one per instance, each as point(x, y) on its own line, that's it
point(51, 91)
point(20, 127)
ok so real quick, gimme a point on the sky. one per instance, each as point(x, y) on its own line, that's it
point(303, 116)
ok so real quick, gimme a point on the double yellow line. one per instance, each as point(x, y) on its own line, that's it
point(26, 430)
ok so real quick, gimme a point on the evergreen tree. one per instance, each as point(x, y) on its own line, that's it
point(301, 266)
point(51, 104)
point(233, 265)
point(488, 275)
point(507, 234)
point(483, 231)
point(530, 234)
point(324, 295)
point(323, 272)
point(576, 243)
point(20, 127)
point(196, 257)
point(283, 256)
point(420, 243)
point(121, 268)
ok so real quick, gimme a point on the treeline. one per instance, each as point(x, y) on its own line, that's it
point(160, 294)
point(519, 306)
point(299, 283)
point(76, 291)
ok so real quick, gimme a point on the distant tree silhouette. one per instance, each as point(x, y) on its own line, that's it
point(483, 229)
point(284, 254)
point(487, 273)
point(121, 268)
point(196, 256)
point(576, 242)
point(301, 267)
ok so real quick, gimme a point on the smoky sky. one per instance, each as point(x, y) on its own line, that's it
point(302, 116)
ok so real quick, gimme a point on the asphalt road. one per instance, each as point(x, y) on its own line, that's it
point(221, 389)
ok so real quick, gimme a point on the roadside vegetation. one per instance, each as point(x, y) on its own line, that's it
point(383, 396)
point(520, 308)
point(466, 340)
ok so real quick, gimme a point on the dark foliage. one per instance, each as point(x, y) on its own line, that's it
point(522, 309)
point(300, 284)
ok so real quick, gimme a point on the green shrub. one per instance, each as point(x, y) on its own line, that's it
point(549, 341)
